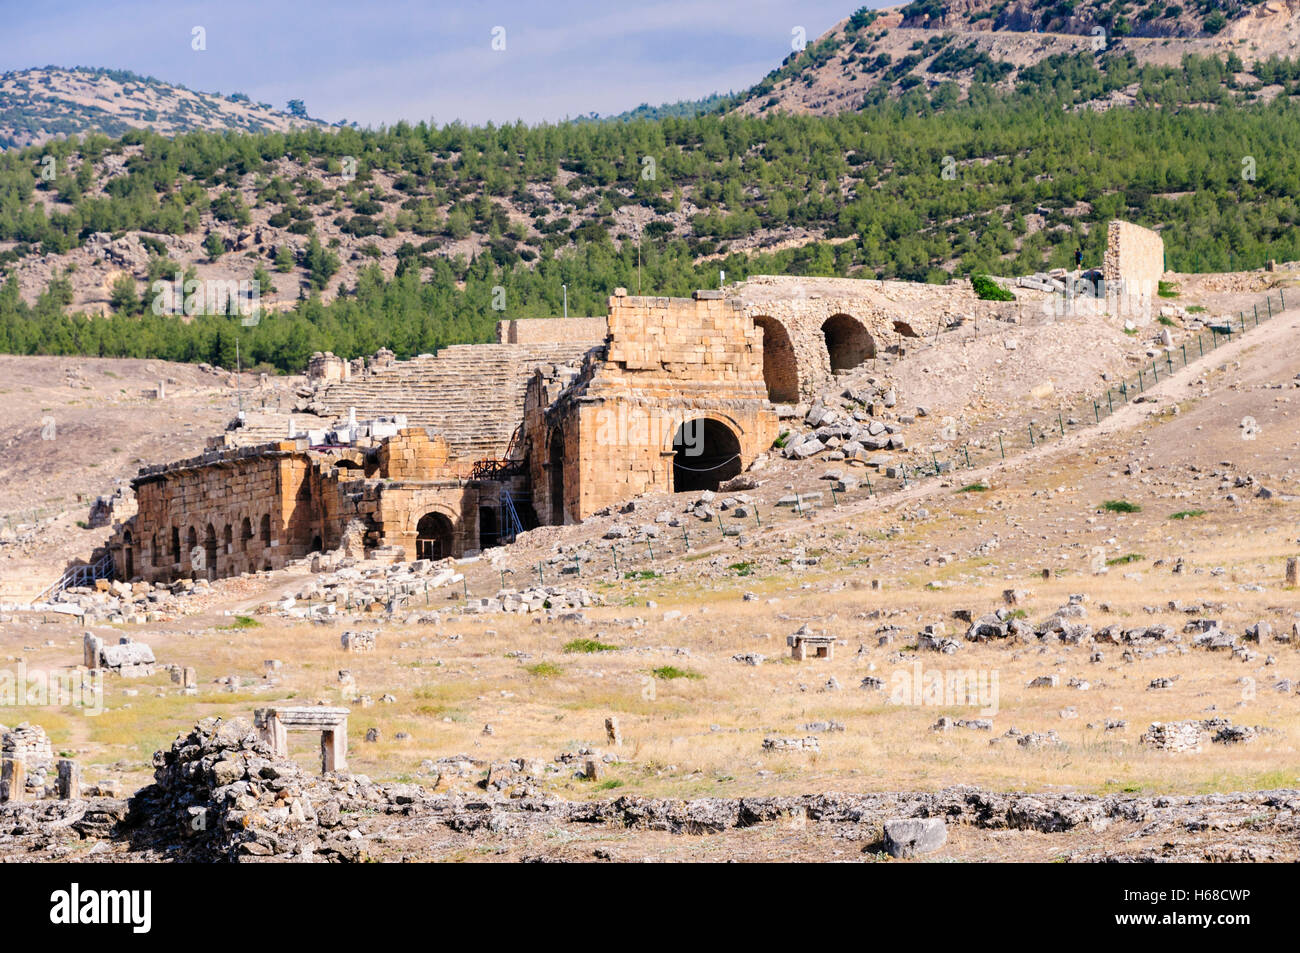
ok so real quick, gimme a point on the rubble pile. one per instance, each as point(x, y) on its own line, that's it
point(851, 427)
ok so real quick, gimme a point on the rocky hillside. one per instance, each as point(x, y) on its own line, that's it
point(929, 43)
point(37, 105)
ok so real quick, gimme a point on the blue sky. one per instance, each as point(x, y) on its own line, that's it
point(378, 62)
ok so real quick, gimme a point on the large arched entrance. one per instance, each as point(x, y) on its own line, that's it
point(780, 370)
point(705, 453)
point(555, 477)
point(848, 342)
point(434, 537)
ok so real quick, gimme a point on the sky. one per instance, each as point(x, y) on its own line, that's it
point(382, 61)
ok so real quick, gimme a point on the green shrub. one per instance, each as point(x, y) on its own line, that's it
point(986, 289)
point(588, 646)
point(669, 672)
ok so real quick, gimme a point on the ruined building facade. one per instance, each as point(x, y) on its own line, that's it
point(445, 454)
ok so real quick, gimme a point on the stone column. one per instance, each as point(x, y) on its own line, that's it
point(69, 784)
point(90, 646)
point(13, 779)
point(1293, 571)
point(334, 748)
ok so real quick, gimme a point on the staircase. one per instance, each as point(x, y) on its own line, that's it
point(101, 568)
point(471, 394)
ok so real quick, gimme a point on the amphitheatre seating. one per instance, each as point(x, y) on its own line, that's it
point(471, 394)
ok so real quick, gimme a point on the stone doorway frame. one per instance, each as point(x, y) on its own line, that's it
point(274, 724)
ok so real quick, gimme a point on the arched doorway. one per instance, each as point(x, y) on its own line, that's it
point(848, 343)
point(488, 533)
point(555, 477)
point(705, 453)
point(266, 529)
point(434, 537)
point(245, 533)
point(192, 551)
point(316, 545)
point(210, 552)
point(780, 370)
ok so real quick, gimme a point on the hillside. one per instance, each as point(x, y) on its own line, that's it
point(415, 237)
point(928, 44)
point(37, 105)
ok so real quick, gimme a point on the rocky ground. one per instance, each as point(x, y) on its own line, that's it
point(219, 795)
point(1004, 628)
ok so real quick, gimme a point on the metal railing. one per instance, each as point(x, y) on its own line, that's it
point(101, 568)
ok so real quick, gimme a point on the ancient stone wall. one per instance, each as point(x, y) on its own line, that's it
point(813, 327)
point(257, 508)
point(552, 331)
point(679, 395)
point(1134, 259)
point(221, 514)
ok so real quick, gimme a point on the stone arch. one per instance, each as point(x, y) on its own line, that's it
point(210, 552)
point(245, 534)
point(555, 476)
point(435, 536)
point(191, 544)
point(706, 452)
point(228, 540)
point(316, 545)
point(780, 367)
point(266, 529)
point(848, 342)
point(176, 546)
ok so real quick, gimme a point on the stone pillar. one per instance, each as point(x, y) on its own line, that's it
point(69, 784)
point(13, 779)
point(612, 732)
point(1293, 571)
point(90, 645)
point(189, 678)
point(334, 748)
point(271, 731)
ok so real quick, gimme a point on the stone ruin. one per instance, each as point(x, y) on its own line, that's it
point(543, 427)
point(273, 724)
point(26, 761)
point(1134, 260)
point(821, 644)
point(129, 658)
point(220, 793)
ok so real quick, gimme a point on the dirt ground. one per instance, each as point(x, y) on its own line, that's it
point(1201, 541)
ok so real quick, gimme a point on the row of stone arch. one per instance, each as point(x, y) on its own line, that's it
point(206, 553)
point(847, 341)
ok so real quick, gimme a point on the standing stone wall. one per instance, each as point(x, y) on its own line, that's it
point(816, 323)
point(552, 331)
point(668, 361)
point(278, 502)
point(1134, 259)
